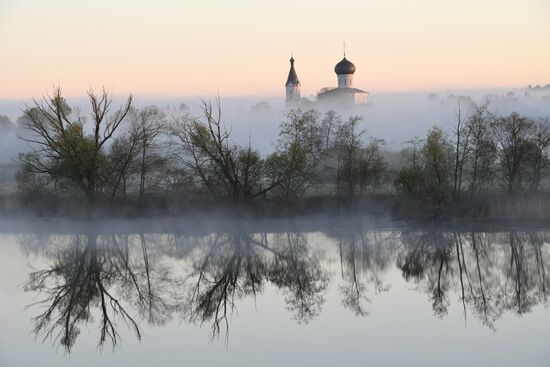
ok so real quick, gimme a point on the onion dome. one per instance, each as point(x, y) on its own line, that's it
point(344, 67)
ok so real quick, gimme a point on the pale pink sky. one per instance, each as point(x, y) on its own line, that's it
point(242, 47)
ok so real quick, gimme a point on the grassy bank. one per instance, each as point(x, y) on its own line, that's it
point(487, 207)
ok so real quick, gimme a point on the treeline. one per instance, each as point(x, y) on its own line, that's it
point(139, 154)
point(486, 155)
point(141, 158)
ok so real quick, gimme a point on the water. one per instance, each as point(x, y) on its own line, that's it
point(358, 297)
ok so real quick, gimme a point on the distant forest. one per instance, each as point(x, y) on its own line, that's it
point(126, 160)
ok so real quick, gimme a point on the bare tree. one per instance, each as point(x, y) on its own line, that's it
point(148, 124)
point(413, 153)
point(330, 122)
point(348, 144)
point(483, 148)
point(437, 160)
point(295, 163)
point(462, 149)
point(539, 157)
point(62, 149)
point(122, 155)
point(224, 168)
point(512, 134)
point(372, 166)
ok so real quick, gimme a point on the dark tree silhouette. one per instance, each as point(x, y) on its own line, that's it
point(232, 266)
point(62, 149)
point(95, 273)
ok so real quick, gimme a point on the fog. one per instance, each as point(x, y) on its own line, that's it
point(394, 117)
point(277, 289)
point(283, 272)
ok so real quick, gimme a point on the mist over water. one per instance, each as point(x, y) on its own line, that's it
point(212, 289)
point(204, 205)
point(209, 295)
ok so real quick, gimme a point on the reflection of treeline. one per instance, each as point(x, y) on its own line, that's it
point(148, 278)
point(492, 273)
point(232, 266)
point(137, 157)
point(130, 280)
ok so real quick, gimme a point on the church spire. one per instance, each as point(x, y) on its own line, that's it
point(292, 79)
point(292, 85)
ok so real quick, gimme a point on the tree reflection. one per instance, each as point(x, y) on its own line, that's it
point(364, 259)
point(297, 269)
point(144, 283)
point(236, 265)
point(116, 278)
point(526, 280)
point(484, 293)
point(127, 280)
point(226, 268)
point(425, 259)
point(492, 273)
point(95, 275)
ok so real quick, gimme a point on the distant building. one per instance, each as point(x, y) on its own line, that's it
point(292, 86)
point(344, 95)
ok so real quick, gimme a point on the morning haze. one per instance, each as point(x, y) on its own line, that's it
point(274, 183)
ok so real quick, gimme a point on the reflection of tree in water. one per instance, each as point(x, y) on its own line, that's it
point(426, 259)
point(364, 258)
point(236, 265)
point(492, 273)
point(297, 270)
point(95, 274)
point(482, 291)
point(228, 267)
point(145, 283)
point(123, 280)
point(526, 277)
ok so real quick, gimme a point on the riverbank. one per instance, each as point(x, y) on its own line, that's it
point(200, 222)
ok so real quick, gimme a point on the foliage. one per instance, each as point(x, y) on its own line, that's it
point(429, 182)
point(316, 155)
point(225, 169)
point(62, 149)
point(298, 154)
point(512, 135)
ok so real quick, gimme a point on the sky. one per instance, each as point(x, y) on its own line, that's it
point(242, 48)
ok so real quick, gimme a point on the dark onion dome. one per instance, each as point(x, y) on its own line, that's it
point(292, 79)
point(344, 67)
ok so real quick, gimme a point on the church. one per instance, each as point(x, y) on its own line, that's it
point(345, 95)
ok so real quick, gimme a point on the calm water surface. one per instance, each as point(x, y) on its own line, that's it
point(378, 298)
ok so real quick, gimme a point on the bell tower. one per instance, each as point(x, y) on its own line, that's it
point(292, 85)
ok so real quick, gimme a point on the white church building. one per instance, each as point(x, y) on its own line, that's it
point(342, 96)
